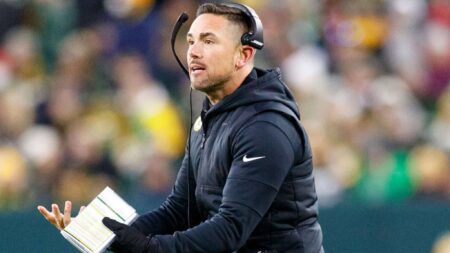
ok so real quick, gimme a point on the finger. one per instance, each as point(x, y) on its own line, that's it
point(58, 216)
point(81, 209)
point(113, 224)
point(44, 211)
point(47, 215)
point(67, 212)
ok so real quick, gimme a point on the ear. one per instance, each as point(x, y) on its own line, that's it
point(246, 54)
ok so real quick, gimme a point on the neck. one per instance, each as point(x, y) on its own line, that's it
point(230, 86)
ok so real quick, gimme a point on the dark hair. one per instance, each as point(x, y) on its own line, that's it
point(232, 14)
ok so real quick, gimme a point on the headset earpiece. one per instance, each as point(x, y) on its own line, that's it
point(246, 38)
point(254, 37)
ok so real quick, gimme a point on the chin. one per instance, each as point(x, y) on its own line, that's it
point(197, 84)
point(201, 88)
point(206, 85)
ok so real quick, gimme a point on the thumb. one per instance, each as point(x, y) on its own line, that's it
point(113, 225)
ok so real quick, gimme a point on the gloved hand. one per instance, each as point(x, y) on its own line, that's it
point(129, 239)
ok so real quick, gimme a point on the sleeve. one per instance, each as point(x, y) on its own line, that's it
point(262, 157)
point(172, 215)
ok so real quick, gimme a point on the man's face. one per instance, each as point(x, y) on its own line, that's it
point(213, 51)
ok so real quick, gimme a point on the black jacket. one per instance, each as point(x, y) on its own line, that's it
point(251, 184)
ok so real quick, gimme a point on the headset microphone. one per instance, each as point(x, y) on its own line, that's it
point(181, 19)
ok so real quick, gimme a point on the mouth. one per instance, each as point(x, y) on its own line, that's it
point(197, 68)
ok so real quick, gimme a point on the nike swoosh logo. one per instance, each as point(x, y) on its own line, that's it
point(249, 159)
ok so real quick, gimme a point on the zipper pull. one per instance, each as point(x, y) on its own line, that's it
point(203, 141)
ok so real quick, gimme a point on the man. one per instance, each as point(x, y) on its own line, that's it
point(250, 186)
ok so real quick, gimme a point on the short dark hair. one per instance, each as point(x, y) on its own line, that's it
point(232, 14)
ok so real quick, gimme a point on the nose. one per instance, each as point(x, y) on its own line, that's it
point(194, 51)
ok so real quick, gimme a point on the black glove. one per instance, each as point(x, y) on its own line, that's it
point(129, 239)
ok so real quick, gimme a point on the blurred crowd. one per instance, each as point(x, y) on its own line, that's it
point(90, 96)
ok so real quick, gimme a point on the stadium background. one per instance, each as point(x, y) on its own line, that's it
point(91, 96)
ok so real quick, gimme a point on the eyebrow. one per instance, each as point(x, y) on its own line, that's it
point(202, 35)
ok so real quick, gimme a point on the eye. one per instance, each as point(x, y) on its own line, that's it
point(208, 41)
point(190, 42)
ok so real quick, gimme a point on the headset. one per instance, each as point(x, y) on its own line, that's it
point(253, 38)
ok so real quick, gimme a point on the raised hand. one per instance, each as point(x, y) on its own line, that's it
point(60, 221)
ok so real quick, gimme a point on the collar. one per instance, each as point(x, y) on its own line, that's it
point(250, 77)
